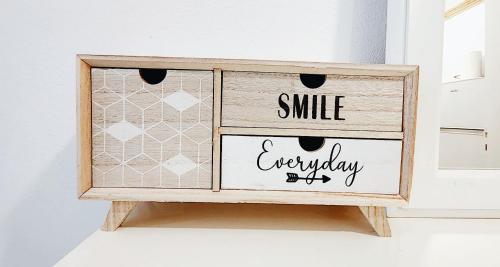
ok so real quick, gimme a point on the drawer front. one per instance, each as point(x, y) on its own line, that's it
point(156, 134)
point(328, 164)
point(281, 100)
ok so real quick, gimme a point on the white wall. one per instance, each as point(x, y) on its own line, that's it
point(395, 52)
point(463, 34)
point(40, 217)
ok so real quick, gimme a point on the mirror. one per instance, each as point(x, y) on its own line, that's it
point(469, 124)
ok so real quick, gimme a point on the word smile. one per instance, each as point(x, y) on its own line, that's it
point(264, 163)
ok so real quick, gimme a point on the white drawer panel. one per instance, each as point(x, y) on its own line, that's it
point(339, 165)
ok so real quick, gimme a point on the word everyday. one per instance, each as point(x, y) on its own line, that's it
point(265, 162)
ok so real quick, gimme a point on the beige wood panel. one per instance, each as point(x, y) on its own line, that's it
point(84, 130)
point(216, 134)
point(147, 135)
point(243, 196)
point(310, 132)
point(409, 131)
point(250, 99)
point(111, 61)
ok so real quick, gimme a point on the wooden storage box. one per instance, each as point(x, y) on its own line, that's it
point(213, 130)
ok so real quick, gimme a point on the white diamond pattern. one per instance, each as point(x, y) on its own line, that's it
point(181, 100)
point(179, 164)
point(143, 147)
point(123, 131)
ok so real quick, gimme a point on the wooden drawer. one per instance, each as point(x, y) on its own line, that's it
point(151, 128)
point(312, 101)
point(311, 164)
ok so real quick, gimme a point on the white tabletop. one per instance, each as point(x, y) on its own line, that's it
point(282, 235)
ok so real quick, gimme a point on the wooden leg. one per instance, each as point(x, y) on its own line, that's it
point(377, 217)
point(117, 214)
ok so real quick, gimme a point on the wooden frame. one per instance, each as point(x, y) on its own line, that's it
point(216, 147)
point(84, 127)
point(460, 8)
point(216, 195)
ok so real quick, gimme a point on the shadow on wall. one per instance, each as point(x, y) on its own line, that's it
point(44, 222)
point(365, 21)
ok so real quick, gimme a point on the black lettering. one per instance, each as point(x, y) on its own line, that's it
point(284, 106)
point(323, 108)
point(337, 108)
point(300, 109)
point(314, 106)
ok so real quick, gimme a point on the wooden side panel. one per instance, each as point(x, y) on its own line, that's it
point(84, 128)
point(148, 135)
point(216, 133)
point(252, 99)
point(337, 165)
point(409, 131)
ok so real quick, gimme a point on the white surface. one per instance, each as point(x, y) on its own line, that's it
point(269, 235)
point(430, 191)
point(256, 162)
point(463, 105)
point(462, 35)
point(39, 41)
point(470, 154)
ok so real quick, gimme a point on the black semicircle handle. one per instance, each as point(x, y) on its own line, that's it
point(153, 76)
point(312, 81)
point(311, 143)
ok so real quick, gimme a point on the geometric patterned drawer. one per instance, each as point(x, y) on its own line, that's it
point(151, 135)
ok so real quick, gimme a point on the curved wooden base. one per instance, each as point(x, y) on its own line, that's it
point(377, 217)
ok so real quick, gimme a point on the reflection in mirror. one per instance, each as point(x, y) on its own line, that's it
point(470, 127)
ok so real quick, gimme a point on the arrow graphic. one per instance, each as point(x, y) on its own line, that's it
point(293, 177)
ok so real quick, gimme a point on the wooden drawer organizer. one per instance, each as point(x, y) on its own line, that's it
point(245, 131)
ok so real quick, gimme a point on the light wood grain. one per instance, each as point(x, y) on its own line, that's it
point(216, 134)
point(113, 61)
point(409, 131)
point(117, 213)
point(243, 196)
point(250, 99)
point(148, 135)
point(460, 8)
point(310, 132)
point(377, 217)
point(84, 127)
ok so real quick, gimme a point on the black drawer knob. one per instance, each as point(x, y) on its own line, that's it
point(153, 76)
point(312, 81)
point(311, 143)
